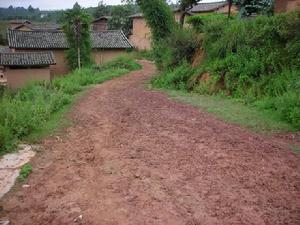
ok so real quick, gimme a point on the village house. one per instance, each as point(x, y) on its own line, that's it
point(18, 68)
point(210, 7)
point(106, 45)
point(283, 6)
point(141, 34)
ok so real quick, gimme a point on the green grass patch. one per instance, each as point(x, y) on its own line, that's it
point(25, 171)
point(234, 111)
point(38, 109)
point(295, 148)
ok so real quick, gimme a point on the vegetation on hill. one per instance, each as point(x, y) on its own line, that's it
point(37, 108)
point(254, 60)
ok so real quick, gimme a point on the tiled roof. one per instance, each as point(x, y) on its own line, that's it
point(102, 18)
point(36, 39)
point(4, 49)
point(110, 39)
point(208, 7)
point(27, 59)
point(57, 40)
point(137, 15)
point(41, 26)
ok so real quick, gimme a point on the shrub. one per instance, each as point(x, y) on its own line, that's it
point(174, 79)
point(257, 60)
point(198, 21)
point(180, 46)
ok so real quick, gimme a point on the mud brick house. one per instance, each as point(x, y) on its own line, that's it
point(141, 34)
point(217, 7)
point(18, 68)
point(283, 6)
point(101, 23)
point(106, 45)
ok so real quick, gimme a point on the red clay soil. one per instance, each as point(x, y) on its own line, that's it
point(135, 157)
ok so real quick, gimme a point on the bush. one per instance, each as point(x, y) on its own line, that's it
point(174, 79)
point(27, 110)
point(198, 21)
point(257, 60)
point(180, 46)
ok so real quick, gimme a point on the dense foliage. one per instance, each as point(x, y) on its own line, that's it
point(250, 7)
point(77, 30)
point(159, 17)
point(28, 110)
point(255, 60)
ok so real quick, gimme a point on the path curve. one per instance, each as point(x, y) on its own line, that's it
point(135, 157)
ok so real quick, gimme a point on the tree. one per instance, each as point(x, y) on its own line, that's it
point(250, 7)
point(158, 16)
point(120, 18)
point(184, 7)
point(101, 10)
point(229, 7)
point(30, 9)
point(77, 30)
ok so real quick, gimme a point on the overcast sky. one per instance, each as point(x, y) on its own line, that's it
point(61, 4)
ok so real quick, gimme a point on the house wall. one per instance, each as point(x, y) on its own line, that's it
point(100, 25)
point(17, 78)
point(234, 9)
point(282, 6)
point(141, 34)
point(102, 56)
point(61, 66)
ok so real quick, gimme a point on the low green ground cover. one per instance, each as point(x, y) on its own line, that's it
point(38, 108)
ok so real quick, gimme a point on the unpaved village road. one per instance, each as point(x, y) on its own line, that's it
point(135, 157)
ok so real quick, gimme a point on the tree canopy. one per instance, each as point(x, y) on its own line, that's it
point(77, 29)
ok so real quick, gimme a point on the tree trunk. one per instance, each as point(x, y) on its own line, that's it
point(181, 20)
point(229, 8)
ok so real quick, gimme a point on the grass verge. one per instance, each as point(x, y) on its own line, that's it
point(38, 109)
point(233, 111)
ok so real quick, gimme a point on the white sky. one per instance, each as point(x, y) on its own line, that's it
point(61, 4)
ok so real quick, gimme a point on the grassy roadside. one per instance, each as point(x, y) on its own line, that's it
point(38, 109)
point(233, 111)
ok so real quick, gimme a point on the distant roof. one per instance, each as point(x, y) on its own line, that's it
point(137, 15)
point(101, 18)
point(208, 7)
point(27, 59)
point(111, 39)
point(20, 21)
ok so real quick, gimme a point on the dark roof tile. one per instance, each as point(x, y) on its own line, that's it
point(208, 7)
point(27, 59)
point(112, 39)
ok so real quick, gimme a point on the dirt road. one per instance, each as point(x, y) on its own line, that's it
point(135, 157)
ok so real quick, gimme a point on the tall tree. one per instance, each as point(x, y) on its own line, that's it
point(158, 16)
point(101, 10)
point(77, 30)
point(184, 7)
point(229, 7)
